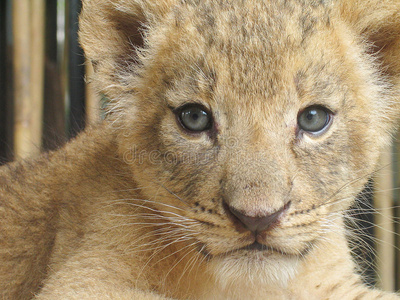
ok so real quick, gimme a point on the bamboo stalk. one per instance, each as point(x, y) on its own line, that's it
point(37, 70)
point(92, 98)
point(384, 226)
point(22, 77)
point(28, 31)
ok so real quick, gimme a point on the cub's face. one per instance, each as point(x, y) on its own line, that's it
point(251, 126)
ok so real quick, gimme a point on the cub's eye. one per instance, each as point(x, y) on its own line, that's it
point(314, 119)
point(194, 117)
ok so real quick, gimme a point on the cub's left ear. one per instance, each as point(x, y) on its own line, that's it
point(378, 23)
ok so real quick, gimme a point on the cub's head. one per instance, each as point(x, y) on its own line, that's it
point(250, 125)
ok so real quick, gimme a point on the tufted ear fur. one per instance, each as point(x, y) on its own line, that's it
point(110, 33)
point(376, 24)
point(377, 21)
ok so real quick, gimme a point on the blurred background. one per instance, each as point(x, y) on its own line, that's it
point(45, 100)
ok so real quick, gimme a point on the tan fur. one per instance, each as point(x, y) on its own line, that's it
point(136, 208)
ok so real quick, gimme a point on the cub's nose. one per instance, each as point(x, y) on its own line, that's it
point(261, 223)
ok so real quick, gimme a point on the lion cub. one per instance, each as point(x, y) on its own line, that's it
point(238, 134)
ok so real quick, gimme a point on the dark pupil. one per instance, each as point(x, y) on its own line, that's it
point(195, 116)
point(311, 114)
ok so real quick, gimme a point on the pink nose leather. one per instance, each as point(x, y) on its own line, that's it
point(258, 224)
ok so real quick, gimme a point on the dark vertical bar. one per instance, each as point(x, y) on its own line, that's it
point(6, 82)
point(3, 112)
point(364, 218)
point(54, 110)
point(76, 71)
point(396, 239)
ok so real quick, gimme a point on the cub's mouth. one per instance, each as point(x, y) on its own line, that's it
point(255, 248)
point(258, 248)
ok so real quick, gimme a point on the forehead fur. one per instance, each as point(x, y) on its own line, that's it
point(250, 39)
point(246, 47)
point(255, 53)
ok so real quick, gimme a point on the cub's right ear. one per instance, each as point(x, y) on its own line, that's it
point(110, 33)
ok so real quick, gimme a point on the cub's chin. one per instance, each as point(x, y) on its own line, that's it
point(251, 267)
